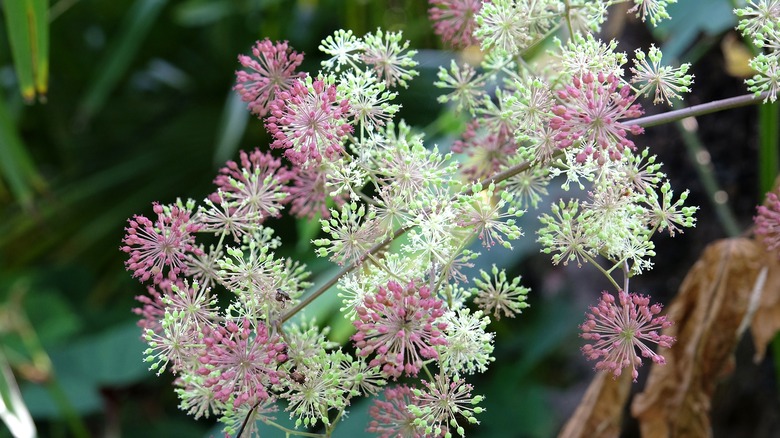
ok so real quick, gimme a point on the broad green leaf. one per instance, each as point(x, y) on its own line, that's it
point(689, 20)
point(81, 397)
point(111, 358)
point(114, 357)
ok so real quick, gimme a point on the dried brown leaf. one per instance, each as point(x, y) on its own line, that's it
point(708, 312)
point(600, 412)
point(766, 320)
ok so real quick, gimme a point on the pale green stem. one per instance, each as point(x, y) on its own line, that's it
point(293, 432)
point(598, 266)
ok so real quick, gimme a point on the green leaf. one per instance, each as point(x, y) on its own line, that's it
point(111, 358)
point(120, 53)
point(114, 357)
point(28, 34)
point(689, 20)
point(231, 128)
point(16, 166)
point(203, 12)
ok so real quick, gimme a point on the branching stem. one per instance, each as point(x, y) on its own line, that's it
point(645, 122)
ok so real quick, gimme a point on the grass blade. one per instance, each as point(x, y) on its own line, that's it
point(120, 53)
point(20, 22)
point(16, 166)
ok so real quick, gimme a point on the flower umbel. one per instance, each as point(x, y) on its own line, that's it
point(767, 222)
point(441, 404)
point(401, 325)
point(391, 416)
point(271, 70)
point(240, 361)
point(591, 111)
point(617, 331)
point(309, 121)
point(665, 82)
point(453, 20)
point(163, 245)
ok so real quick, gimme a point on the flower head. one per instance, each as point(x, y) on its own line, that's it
point(498, 296)
point(309, 121)
point(163, 245)
point(488, 150)
point(653, 9)
point(401, 326)
point(390, 58)
point(309, 195)
point(442, 403)
point(152, 309)
point(241, 361)
point(665, 82)
point(485, 216)
point(271, 70)
point(391, 416)
point(315, 387)
point(617, 331)
point(453, 21)
point(351, 232)
point(255, 187)
point(466, 86)
point(590, 112)
point(469, 346)
point(767, 222)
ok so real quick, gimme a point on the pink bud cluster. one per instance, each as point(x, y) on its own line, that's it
point(401, 326)
point(160, 246)
point(271, 70)
point(767, 222)
point(309, 122)
point(489, 151)
point(391, 417)
point(616, 332)
point(241, 361)
point(454, 21)
point(590, 111)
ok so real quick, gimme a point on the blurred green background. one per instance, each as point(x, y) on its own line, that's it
point(139, 108)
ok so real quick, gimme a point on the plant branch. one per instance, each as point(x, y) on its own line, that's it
point(344, 271)
point(654, 120)
point(699, 110)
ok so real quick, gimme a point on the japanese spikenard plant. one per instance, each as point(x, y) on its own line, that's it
point(421, 325)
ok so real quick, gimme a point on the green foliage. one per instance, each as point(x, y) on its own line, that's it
point(140, 108)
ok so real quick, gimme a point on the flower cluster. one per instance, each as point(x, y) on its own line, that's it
point(405, 220)
point(617, 331)
point(164, 245)
point(401, 325)
point(454, 21)
point(590, 113)
point(767, 220)
point(665, 82)
point(269, 71)
point(758, 21)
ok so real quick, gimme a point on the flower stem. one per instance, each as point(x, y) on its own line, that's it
point(699, 110)
point(654, 120)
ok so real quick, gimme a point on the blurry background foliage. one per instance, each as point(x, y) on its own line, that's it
point(138, 108)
